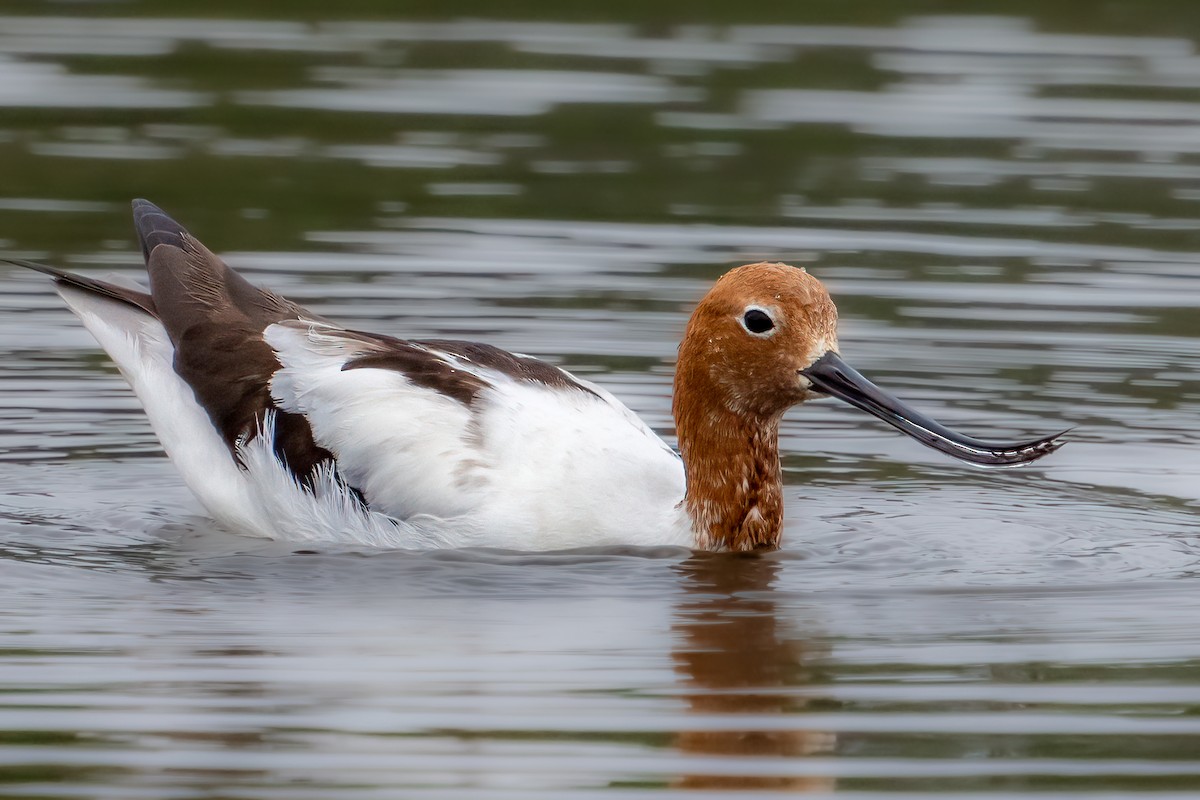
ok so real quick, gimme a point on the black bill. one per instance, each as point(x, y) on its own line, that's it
point(830, 375)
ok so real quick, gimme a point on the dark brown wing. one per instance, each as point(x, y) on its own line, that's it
point(215, 319)
point(124, 294)
point(191, 286)
point(436, 364)
point(517, 367)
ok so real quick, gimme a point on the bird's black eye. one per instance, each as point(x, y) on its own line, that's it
point(757, 321)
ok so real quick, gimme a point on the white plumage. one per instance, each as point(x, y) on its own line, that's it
point(526, 465)
point(532, 467)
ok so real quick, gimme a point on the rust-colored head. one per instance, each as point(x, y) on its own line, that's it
point(750, 337)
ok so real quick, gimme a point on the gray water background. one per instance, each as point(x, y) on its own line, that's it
point(1004, 205)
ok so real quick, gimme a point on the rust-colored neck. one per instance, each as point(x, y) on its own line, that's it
point(734, 479)
point(734, 379)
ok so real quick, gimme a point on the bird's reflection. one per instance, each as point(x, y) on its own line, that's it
point(734, 657)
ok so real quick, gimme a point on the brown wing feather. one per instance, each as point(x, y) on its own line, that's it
point(111, 290)
point(215, 319)
point(425, 364)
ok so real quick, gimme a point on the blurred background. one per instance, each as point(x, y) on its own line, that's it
point(1003, 200)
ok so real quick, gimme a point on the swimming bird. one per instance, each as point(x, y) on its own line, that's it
point(288, 425)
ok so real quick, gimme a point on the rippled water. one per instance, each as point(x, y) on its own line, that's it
point(1005, 211)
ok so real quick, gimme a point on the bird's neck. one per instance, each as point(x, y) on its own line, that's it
point(734, 479)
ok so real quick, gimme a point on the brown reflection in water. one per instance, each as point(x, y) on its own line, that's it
point(734, 658)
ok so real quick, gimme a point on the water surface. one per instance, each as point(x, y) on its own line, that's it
point(1005, 210)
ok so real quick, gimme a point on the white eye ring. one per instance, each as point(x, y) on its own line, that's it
point(758, 322)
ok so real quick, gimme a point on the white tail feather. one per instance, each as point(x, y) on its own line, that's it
point(139, 346)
